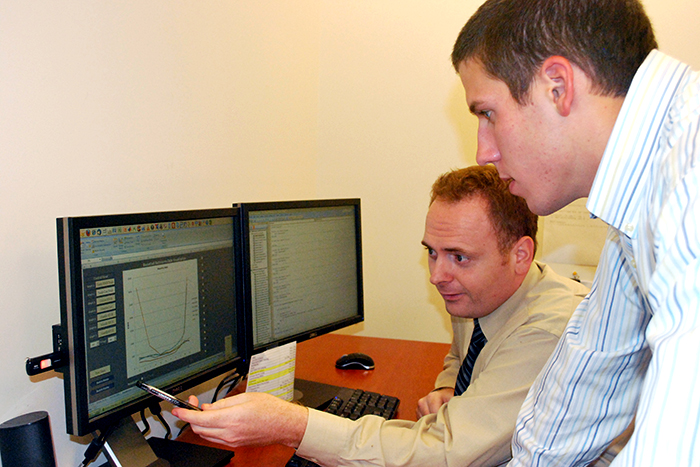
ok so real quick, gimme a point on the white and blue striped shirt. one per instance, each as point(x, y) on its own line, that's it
point(632, 348)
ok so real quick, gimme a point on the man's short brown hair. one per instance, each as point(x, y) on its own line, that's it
point(509, 214)
point(607, 39)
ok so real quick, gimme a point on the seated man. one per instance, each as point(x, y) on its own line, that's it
point(481, 244)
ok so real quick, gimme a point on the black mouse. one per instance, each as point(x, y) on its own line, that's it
point(355, 361)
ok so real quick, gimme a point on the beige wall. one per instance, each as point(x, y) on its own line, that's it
point(392, 119)
point(139, 105)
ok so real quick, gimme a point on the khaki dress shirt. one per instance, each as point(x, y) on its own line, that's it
point(475, 428)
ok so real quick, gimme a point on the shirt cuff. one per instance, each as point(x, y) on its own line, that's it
point(325, 437)
point(446, 379)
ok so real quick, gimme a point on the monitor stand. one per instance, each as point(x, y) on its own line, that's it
point(126, 447)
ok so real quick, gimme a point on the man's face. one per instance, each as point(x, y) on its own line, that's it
point(525, 143)
point(466, 266)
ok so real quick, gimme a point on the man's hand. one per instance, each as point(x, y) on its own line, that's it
point(249, 419)
point(433, 401)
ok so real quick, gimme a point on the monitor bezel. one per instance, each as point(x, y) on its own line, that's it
point(246, 209)
point(78, 421)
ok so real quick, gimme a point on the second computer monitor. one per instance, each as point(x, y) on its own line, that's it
point(302, 269)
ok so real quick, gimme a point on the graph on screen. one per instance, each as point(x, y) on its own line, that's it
point(161, 310)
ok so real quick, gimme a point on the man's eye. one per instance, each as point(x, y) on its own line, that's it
point(460, 258)
point(486, 114)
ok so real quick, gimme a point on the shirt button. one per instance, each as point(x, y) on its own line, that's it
point(629, 228)
point(634, 264)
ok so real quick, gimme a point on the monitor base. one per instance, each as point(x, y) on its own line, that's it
point(127, 447)
point(181, 454)
point(313, 394)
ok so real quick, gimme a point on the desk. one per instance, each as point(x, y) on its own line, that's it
point(405, 369)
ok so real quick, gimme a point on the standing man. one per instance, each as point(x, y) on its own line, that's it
point(480, 241)
point(574, 101)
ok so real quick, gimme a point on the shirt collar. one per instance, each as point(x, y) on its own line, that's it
point(615, 195)
point(496, 320)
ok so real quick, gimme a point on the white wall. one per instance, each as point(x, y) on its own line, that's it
point(151, 105)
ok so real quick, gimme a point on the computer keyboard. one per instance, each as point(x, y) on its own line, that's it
point(353, 404)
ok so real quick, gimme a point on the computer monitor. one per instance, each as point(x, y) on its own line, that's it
point(302, 269)
point(147, 296)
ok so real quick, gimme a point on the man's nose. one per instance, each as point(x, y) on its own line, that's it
point(439, 273)
point(486, 148)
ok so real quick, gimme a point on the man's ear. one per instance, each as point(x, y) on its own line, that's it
point(557, 74)
point(523, 252)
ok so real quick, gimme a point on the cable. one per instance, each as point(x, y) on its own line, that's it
point(166, 425)
point(156, 412)
point(232, 379)
point(146, 426)
point(96, 445)
point(182, 428)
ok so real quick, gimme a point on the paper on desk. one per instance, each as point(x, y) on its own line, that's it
point(272, 371)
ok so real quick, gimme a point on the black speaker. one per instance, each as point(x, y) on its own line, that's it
point(26, 441)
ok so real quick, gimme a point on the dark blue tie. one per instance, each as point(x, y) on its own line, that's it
point(465, 371)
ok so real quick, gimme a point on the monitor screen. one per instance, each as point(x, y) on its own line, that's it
point(149, 296)
point(302, 269)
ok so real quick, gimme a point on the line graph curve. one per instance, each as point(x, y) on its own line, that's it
point(161, 308)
